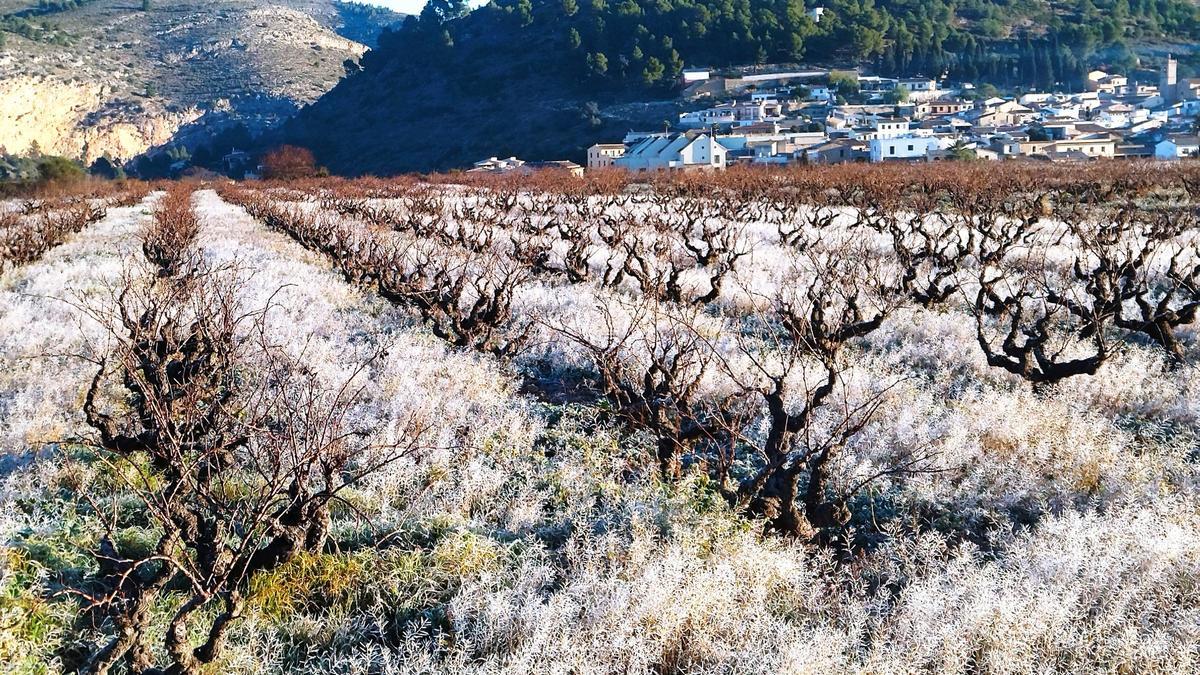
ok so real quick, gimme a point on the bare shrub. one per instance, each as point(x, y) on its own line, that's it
point(233, 451)
point(26, 236)
point(464, 295)
point(1139, 267)
point(651, 361)
point(289, 162)
point(1022, 324)
point(465, 298)
point(792, 360)
point(167, 241)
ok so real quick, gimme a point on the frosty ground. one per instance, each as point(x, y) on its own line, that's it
point(1052, 531)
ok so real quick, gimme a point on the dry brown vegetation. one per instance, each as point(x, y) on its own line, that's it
point(45, 220)
point(167, 241)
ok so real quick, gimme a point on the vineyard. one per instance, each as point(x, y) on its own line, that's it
point(844, 419)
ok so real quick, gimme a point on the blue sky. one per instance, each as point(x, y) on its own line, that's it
point(406, 6)
point(409, 6)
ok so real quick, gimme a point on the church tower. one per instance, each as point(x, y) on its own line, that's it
point(1168, 85)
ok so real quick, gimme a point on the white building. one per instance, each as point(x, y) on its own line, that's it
point(903, 148)
point(1065, 110)
point(874, 83)
point(1177, 146)
point(721, 115)
point(755, 111)
point(918, 84)
point(890, 127)
point(1149, 124)
point(693, 75)
point(496, 165)
point(1115, 116)
point(512, 165)
point(1035, 98)
point(686, 151)
point(602, 155)
point(1100, 81)
point(820, 93)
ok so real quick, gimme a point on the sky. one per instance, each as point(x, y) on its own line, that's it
point(408, 6)
point(405, 6)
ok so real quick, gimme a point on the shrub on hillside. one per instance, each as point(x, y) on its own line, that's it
point(289, 162)
point(55, 169)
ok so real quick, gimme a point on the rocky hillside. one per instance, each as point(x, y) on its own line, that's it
point(121, 77)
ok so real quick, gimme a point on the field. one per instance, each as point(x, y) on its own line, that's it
point(857, 419)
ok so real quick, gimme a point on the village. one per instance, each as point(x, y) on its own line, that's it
point(803, 117)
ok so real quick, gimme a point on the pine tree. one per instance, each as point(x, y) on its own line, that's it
point(653, 73)
point(597, 64)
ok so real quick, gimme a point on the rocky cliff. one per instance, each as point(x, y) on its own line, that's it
point(114, 79)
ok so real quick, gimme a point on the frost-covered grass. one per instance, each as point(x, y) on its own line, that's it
point(42, 327)
point(1055, 531)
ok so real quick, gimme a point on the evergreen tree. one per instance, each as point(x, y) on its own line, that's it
point(653, 72)
point(597, 64)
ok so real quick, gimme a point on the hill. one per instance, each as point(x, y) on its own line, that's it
point(89, 78)
point(543, 78)
point(498, 90)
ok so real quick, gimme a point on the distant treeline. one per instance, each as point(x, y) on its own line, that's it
point(19, 174)
point(646, 43)
point(53, 6)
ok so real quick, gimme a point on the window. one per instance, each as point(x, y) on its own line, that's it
point(891, 149)
point(910, 147)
